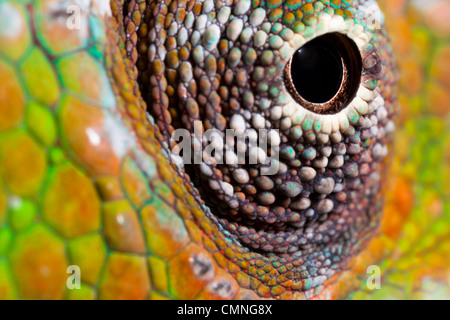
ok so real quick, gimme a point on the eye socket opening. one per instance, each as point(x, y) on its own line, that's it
point(324, 74)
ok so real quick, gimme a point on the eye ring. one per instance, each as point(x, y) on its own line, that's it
point(331, 53)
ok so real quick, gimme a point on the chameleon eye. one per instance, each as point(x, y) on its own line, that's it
point(324, 74)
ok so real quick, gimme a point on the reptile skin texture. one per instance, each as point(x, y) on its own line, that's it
point(88, 176)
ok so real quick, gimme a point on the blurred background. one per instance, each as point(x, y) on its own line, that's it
point(415, 241)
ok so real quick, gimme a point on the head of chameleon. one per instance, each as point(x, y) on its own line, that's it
point(317, 80)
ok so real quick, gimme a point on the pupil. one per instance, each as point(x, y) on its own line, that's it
point(317, 71)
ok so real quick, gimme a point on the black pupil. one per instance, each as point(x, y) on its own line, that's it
point(317, 71)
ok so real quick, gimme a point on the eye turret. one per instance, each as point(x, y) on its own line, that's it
point(324, 74)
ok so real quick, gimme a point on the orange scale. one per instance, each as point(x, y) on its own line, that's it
point(15, 37)
point(190, 271)
point(222, 287)
point(263, 291)
point(220, 259)
point(135, 111)
point(70, 202)
point(109, 188)
point(13, 99)
point(243, 279)
point(22, 163)
point(195, 233)
point(158, 271)
point(39, 264)
point(182, 209)
point(178, 190)
point(245, 294)
point(164, 170)
point(135, 184)
point(84, 75)
point(210, 246)
point(122, 228)
point(164, 230)
point(52, 31)
point(287, 295)
point(126, 277)
point(89, 253)
point(233, 268)
point(128, 94)
point(86, 135)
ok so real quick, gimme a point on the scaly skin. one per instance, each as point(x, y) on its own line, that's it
point(86, 178)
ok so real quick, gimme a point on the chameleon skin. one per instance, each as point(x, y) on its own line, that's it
point(86, 177)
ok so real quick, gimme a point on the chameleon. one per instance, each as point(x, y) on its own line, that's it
point(91, 176)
